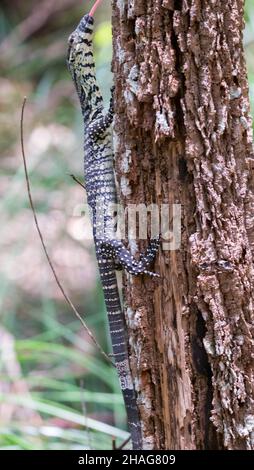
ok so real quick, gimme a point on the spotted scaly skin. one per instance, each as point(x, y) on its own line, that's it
point(101, 193)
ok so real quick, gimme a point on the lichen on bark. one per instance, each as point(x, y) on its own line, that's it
point(183, 133)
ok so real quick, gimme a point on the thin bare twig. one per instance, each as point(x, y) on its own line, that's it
point(77, 181)
point(124, 443)
point(122, 446)
point(68, 300)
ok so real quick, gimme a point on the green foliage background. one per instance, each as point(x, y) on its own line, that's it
point(56, 391)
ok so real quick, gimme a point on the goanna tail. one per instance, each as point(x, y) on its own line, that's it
point(119, 345)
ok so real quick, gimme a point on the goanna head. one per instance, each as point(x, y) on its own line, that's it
point(82, 68)
point(80, 42)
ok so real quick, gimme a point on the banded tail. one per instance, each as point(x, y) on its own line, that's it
point(117, 329)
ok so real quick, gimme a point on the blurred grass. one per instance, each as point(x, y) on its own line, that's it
point(56, 391)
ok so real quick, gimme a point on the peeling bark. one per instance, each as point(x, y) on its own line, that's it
point(183, 135)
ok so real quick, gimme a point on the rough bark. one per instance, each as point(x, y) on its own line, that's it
point(183, 135)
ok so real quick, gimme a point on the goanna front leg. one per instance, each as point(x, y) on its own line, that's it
point(124, 258)
point(99, 126)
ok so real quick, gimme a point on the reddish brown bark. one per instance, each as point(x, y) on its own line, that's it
point(183, 135)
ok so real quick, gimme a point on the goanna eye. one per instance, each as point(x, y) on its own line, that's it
point(70, 40)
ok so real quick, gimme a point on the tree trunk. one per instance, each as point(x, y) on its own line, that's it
point(183, 136)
